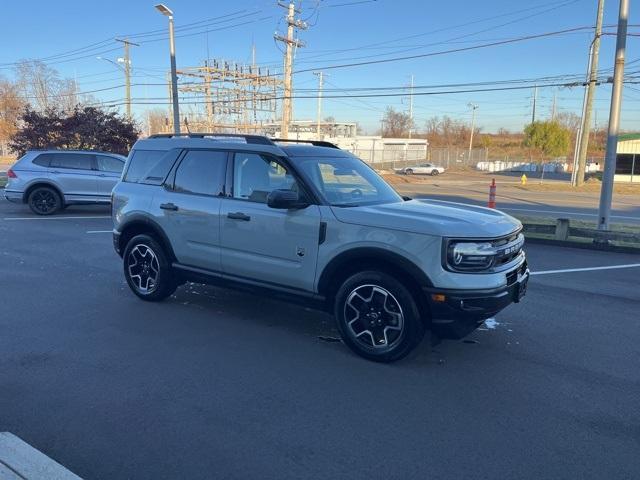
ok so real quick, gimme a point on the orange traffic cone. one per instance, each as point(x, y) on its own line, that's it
point(492, 194)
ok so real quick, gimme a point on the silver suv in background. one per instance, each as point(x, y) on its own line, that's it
point(50, 180)
point(314, 224)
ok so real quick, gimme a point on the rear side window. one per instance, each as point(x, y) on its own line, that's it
point(109, 164)
point(77, 161)
point(42, 160)
point(150, 166)
point(202, 172)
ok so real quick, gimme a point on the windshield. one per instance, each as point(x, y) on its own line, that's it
point(347, 181)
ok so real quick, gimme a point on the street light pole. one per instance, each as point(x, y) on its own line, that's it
point(166, 11)
point(606, 191)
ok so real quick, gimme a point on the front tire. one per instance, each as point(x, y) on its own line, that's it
point(147, 269)
point(44, 201)
point(434, 173)
point(378, 317)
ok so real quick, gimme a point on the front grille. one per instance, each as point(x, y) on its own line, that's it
point(508, 248)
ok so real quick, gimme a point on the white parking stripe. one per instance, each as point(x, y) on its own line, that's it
point(53, 218)
point(100, 231)
point(588, 269)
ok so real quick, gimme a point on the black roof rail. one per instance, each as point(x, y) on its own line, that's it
point(315, 143)
point(253, 139)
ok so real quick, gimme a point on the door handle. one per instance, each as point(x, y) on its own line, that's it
point(102, 175)
point(238, 216)
point(169, 206)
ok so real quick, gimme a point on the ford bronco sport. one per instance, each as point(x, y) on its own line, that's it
point(309, 222)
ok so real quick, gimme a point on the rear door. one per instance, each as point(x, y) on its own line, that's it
point(108, 173)
point(74, 173)
point(262, 243)
point(188, 207)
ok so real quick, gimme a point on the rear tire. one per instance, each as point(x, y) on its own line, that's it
point(378, 317)
point(44, 201)
point(434, 173)
point(147, 269)
point(408, 172)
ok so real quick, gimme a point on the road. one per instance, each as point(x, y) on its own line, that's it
point(218, 384)
point(513, 200)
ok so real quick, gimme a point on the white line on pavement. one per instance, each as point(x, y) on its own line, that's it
point(53, 218)
point(588, 269)
point(99, 231)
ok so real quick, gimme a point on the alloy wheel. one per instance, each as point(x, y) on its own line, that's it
point(374, 317)
point(43, 201)
point(143, 268)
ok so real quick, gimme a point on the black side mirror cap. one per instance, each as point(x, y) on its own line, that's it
point(406, 199)
point(285, 199)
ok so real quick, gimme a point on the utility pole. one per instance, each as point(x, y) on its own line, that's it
point(553, 108)
point(411, 107)
point(535, 99)
point(127, 74)
point(290, 43)
point(319, 116)
point(473, 108)
point(590, 92)
point(606, 191)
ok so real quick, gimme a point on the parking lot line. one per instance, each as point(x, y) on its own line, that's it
point(55, 218)
point(99, 231)
point(587, 269)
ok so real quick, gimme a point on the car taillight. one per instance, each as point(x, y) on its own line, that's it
point(11, 174)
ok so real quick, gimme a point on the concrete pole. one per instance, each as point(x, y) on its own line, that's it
point(606, 192)
point(127, 78)
point(319, 115)
point(590, 95)
point(286, 103)
point(473, 127)
point(574, 175)
point(411, 107)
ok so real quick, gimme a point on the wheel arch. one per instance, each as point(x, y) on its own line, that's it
point(351, 261)
point(141, 225)
point(42, 183)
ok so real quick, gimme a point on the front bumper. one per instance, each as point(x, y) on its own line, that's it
point(13, 196)
point(462, 311)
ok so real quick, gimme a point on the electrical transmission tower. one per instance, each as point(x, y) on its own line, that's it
point(290, 43)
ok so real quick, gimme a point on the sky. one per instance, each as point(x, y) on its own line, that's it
point(70, 35)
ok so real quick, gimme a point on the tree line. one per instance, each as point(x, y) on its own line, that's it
point(40, 109)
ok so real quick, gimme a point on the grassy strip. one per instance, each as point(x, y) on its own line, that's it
point(3, 181)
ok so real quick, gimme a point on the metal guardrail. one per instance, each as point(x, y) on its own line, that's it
point(562, 231)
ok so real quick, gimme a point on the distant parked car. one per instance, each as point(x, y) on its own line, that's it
point(422, 169)
point(50, 180)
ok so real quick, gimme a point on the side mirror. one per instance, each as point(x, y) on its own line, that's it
point(284, 199)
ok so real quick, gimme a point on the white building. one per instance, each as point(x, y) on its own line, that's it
point(628, 158)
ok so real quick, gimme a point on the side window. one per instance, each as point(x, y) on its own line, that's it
point(77, 161)
point(255, 176)
point(202, 172)
point(150, 166)
point(109, 164)
point(43, 159)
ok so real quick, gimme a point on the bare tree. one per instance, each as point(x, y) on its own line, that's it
point(157, 120)
point(39, 83)
point(396, 124)
point(11, 106)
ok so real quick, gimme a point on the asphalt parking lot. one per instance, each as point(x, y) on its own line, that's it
point(218, 384)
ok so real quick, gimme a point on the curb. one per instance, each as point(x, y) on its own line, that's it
point(583, 246)
point(20, 461)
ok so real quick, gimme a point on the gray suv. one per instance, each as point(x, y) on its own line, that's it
point(311, 223)
point(50, 180)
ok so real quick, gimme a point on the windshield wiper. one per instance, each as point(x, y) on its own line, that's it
point(346, 205)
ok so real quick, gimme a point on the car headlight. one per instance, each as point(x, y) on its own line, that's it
point(470, 255)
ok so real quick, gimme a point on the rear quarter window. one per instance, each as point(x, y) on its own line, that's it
point(150, 167)
point(42, 160)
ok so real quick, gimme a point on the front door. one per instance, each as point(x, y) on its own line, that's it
point(188, 208)
point(262, 243)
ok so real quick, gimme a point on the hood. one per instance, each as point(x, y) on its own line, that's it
point(432, 217)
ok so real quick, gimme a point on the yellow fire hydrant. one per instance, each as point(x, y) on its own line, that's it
point(523, 179)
